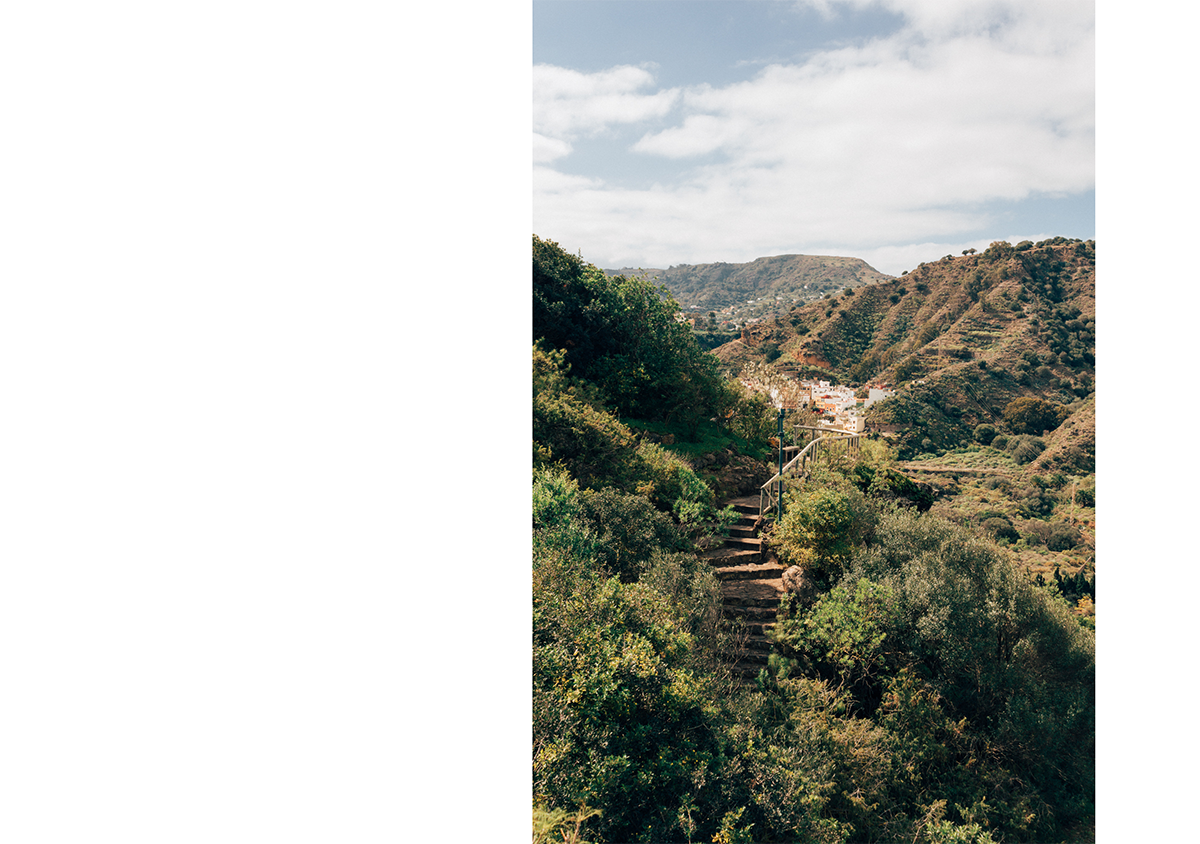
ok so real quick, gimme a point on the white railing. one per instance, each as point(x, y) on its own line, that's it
point(770, 494)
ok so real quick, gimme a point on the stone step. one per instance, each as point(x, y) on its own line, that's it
point(746, 530)
point(734, 601)
point(758, 627)
point(747, 542)
point(757, 643)
point(755, 658)
point(745, 674)
point(748, 612)
point(727, 556)
point(749, 571)
point(750, 626)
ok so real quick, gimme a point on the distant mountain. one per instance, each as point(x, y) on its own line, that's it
point(961, 337)
point(763, 286)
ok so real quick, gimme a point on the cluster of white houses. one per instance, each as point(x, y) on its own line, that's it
point(840, 409)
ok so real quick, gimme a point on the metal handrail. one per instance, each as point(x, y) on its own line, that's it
point(770, 494)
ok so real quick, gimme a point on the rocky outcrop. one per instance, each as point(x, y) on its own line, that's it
point(731, 474)
point(798, 583)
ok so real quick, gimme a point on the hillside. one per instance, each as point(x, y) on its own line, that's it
point(921, 667)
point(761, 287)
point(960, 337)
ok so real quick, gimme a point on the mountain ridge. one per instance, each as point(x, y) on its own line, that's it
point(960, 336)
point(781, 281)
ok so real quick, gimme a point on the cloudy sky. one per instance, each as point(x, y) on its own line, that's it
point(689, 131)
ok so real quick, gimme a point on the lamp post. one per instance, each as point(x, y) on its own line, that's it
point(779, 498)
point(782, 403)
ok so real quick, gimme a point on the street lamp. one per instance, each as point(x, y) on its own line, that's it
point(781, 404)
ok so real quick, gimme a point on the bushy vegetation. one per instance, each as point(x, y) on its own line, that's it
point(621, 335)
point(927, 692)
point(932, 617)
point(1031, 415)
point(624, 672)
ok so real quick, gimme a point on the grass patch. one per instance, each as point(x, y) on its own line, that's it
point(973, 458)
point(706, 438)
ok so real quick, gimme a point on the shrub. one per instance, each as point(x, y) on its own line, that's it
point(821, 527)
point(1001, 528)
point(1000, 441)
point(595, 447)
point(1030, 415)
point(670, 483)
point(985, 433)
point(1035, 501)
point(623, 683)
point(1063, 537)
point(628, 530)
point(1086, 497)
point(1024, 448)
point(841, 636)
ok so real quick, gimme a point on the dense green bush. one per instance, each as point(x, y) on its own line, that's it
point(1063, 537)
point(621, 335)
point(599, 451)
point(1000, 528)
point(984, 433)
point(1035, 501)
point(1024, 448)
point(624, 675)
point(822, 525)
point(629, 530)
point(1030, 415)
point(670, 483)
point(939, 648)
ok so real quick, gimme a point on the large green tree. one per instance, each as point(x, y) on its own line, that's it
point(622, 335)
point(1031, 415)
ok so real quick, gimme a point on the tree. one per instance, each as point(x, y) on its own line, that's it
point(1031, 415)
point(622, 335)
point(985, 433)
point(821, 528)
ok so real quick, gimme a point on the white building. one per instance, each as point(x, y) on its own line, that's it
point(875, 394)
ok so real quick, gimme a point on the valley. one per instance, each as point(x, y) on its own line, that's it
point(902, 647)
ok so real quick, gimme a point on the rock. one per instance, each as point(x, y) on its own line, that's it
point(799, 584)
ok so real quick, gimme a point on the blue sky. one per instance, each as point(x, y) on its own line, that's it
point(688, 131)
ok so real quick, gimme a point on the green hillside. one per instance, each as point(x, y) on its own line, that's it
point(921, 686)
point(961, 337)
point(760, 287)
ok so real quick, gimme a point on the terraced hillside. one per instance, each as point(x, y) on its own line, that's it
point(961, 337)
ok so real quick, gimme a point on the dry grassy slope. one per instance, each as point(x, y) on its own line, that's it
point(1063, 445)
point(979, 330)
point(717, 285)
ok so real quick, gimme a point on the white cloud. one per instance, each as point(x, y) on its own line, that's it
point(567, 103)
point(547, 149)
point(885, 143)
point(548, 182)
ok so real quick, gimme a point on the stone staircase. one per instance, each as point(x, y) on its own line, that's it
point(751, 586)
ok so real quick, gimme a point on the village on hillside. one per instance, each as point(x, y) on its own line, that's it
point(842, 408)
